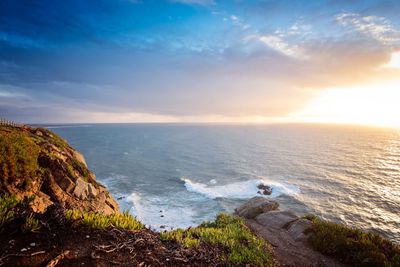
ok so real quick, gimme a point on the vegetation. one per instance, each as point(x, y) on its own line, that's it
point(10, 206)
point(48, 137)
point(99, 221)
point(80, 167)
point(31, 224)
point(7, 205)
point(227, 231)
point(352, 246)
point(18, 159)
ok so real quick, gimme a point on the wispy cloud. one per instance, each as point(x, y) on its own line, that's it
point(277, 43)
point(379, 28)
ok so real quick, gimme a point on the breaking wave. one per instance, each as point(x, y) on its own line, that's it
point(238, 190)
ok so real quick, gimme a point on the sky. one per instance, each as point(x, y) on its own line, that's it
point(200, 61)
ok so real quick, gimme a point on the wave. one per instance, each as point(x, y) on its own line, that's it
point(161, 213)
point(238, 190)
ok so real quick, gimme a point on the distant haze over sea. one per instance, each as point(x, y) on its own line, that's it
point(180, 175)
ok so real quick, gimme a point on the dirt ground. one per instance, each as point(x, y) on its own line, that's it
point(61, 244)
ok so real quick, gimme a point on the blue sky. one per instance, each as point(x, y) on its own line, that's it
point(186, 60)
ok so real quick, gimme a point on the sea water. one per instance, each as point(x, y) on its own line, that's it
point(173, 176)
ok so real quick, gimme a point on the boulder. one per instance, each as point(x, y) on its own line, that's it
point(81, 189)
point(255, 206)
point(297, 229)
point(276, 219)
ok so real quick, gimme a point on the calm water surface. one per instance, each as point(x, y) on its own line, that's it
point(189, 173)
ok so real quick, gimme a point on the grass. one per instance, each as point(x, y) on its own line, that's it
point(99, 221)
point(229, 232)
point(81, 168)
point(352, 246)
point(50, 138)
point(18, 159)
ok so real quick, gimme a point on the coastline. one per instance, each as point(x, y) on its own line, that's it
point(58, 214)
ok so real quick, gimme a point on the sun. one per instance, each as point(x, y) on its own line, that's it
point(394, 62)
point(377, 105)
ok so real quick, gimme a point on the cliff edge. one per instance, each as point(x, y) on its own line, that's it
point(35, 161)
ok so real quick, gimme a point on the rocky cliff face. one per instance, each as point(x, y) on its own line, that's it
point(35, 161)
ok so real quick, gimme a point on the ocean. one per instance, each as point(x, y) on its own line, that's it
point(171, 175)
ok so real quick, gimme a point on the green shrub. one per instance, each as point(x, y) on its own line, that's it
point(7, 205)
point(10, 206)
point(31, 224)
point(81, 168)
point(229, 232)
point(99, 221)
point(353, 246)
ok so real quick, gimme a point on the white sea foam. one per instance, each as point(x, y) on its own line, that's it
point(157, 212)
point(238, 190)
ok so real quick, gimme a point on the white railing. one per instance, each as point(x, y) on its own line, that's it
point(5, 122)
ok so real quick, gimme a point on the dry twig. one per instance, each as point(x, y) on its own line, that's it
point(55, 261)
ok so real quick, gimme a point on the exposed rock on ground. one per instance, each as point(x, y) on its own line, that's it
point(256, 206)
point(285, 232)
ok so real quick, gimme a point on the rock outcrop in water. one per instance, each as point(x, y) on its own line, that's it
point(35, 161)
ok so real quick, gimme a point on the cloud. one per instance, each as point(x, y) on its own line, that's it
point(158, 59)
point(379, 28)
point(276, 42)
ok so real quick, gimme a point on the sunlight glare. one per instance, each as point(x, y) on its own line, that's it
point(377, 105)
point(394, 61)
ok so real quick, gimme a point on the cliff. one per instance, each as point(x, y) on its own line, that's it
point(53, 212)
point(35, 161)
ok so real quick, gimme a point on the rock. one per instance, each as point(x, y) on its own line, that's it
point(276, 219)
point(256, 206)
point(265, 189)
point(32, 244)
point(41, 202)
point(24, 249)
point(297, 228)
point(81, 189)
point(61, 175)
point(92, 191)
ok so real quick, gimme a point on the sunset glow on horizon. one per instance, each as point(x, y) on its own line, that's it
point(375, 105)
